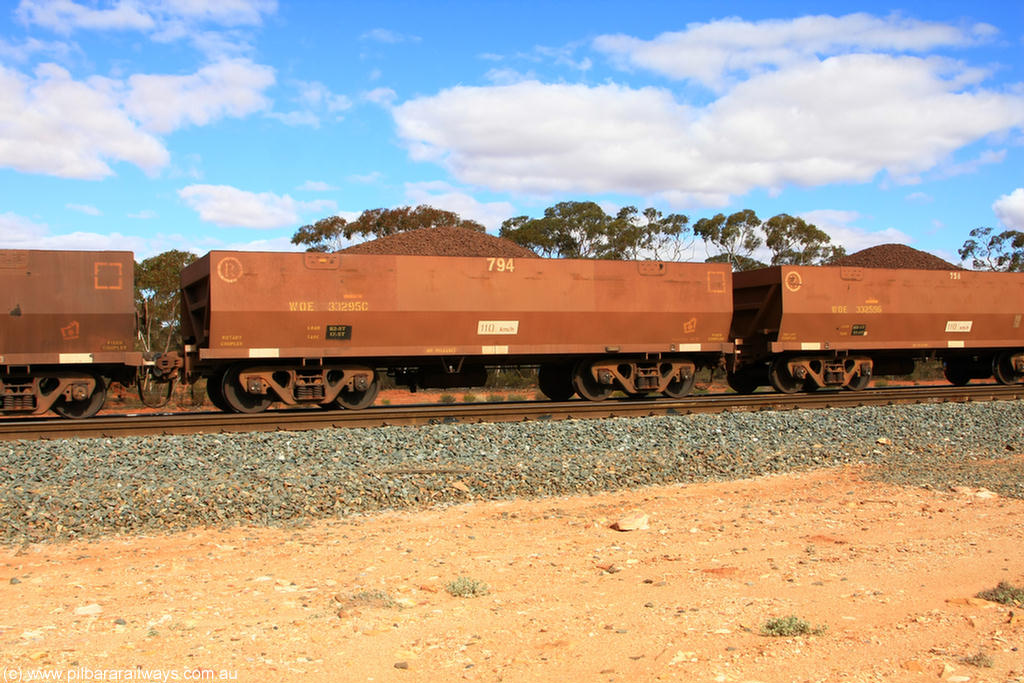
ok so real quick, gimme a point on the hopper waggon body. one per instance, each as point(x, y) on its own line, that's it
point(802, 327)
point(317, 327)
point(68, 321)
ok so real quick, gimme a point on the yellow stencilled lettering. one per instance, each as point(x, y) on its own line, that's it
point(870, 308)
point(839, 309)
point(441, 349)
point(313, 332)
point(301, 306)
point(231, 340)
point(115, 345)
point(501, 265)
point(347, 306)
point(954, 275)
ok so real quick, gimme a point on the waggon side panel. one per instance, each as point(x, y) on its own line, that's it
point(838, 308)
point(338, 305)
point(67, 307)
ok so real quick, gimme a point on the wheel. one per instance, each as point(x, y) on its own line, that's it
point(859, 382)
point(742, 382)
point(958, 374)
point(238, 399)
point(678, 388)
point(1003, 370)
point(357, 400)
point(86, 407)
point(555, 382)
point(780, 378)
point(588, 387)
point(215, 392)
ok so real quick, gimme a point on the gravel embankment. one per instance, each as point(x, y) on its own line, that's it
point(84, 488)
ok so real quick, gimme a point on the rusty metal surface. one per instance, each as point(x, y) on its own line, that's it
point(298, 420)
point(67, 307)
point(266, 305)
point(818, 308)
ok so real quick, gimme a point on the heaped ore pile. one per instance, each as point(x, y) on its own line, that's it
point(895, 256)
point(443, 242)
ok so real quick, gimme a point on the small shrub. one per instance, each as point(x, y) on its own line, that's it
point(980, 660)
point(465, 587)
point(515, 397)
point(469, 398)
point(369, 598)
point(879, 382)
point(495, 398)
point(385, 401)
point(447, 398)
point(1004, 594)
point(784, 627)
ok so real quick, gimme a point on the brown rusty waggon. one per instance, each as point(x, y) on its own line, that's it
point(320, 328)
point(68, 322)
point(323, 328)
point(804, 327)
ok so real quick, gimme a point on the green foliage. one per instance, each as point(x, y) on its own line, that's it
point(785, 627)
point(584, 230)
point(1003, 251)
point(446, 398)
point(495, 398)
point(1004, 594)
point(735, 237)
point(469, 398)
point(331, 233)
point(465, 587)
point(157, 287)
point(794, 241)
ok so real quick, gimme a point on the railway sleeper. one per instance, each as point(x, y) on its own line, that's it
point(848, 372)
point(297, 385)
point(638, 377)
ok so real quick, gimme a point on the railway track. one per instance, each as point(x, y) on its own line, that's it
point(297, 420)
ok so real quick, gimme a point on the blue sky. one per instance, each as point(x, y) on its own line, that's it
point(151, 125)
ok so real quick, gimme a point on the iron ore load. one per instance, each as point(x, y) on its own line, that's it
point(320, 328)
point(324, 328)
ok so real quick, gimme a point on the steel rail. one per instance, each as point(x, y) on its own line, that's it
point(106, 426)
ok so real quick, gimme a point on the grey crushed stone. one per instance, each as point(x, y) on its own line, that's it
point(86, 488)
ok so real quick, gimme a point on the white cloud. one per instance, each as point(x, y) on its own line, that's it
point(229, 206)
point(382, 96)
point(53, 124)
point(296, 118)
point(87, 209)
point(316, 186)
point(383, 35)
point(1010, 209)
point(318, 95)
point(144, 215)
point(845, 119)
point(921, 197)
point(18, 232)
point(231, 87)
point(33, 46)
point(716, 52)
point(366, 178)
point(222, 12)
point(441, 195)
point(839, 226)
point(65, 16)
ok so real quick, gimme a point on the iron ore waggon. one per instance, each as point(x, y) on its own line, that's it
point(804, 327)
point(69, 321)
point(320, 328)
